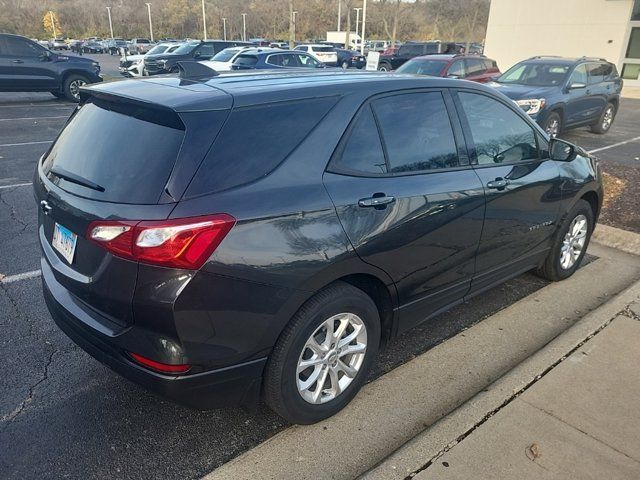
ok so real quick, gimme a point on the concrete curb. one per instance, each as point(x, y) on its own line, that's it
point(400, 405)
point(446, 433)
point(616, 238)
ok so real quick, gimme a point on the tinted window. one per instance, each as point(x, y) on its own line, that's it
point(579, 75)
point(131, 157)
point(363, 150)
point(500, 135)
point(598, 72)
point(323, 49)
point(431, 48)
point(248, 60)
point(20, 47)
point(410, 50)
point(206, 50)
point(307, 61)
point(475, 66)
point(535, 74)
point(416, 132)
point(254, 141)
point(422, 67)
point(283, 60)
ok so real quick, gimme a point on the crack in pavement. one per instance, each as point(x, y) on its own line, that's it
point(10, 417)
point(12, 212)
point(625, 312)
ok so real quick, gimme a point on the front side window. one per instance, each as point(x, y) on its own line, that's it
point(500, 135)
point(475, 66)
point(416, 132)
point(457, 70)
point(206, 50)
point(19, 47)
point(246, 60)
point(308, 61)
point(579, 75)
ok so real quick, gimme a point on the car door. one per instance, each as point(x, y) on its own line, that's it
point(599, 86)
point(408, 199)
point(522, 187)
point(205, 51)
point(581, 105)
point(25, 67)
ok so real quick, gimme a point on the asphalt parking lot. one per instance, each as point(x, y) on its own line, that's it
point(63, 414)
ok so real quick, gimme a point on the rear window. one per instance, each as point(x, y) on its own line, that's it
point(125, 150)
point(255, 140)
point(323, 49)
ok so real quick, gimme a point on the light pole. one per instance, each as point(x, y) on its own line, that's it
point(339, 13)
point(110, 24)
point(357, 18)
point(244, 27)
point(294, 27)
point(204, 21)
point(150, 25)
point(364, 23)
point(224, 27)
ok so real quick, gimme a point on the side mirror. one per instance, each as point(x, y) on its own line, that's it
point(561, 151)
point(576, 85)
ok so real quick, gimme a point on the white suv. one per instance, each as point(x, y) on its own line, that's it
point(222, 61)
point(325, 53)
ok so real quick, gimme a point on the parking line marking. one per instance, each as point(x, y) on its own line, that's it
point(3, 187)
point(25, 143)
point(31, 118)
point(614, 145)
point(20, 276)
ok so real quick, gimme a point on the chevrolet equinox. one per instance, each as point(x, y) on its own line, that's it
point(218, 262)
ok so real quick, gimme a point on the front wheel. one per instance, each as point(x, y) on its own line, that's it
point(71, 87)
point(384, 67)
point(322, 358)
point(553, 124)
point(570, 244)
point(606, 120)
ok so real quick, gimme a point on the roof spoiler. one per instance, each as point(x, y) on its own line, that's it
point(195, 70)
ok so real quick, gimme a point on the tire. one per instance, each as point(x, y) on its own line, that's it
point(553, 124)
point(70, 86)
point(384, 67)
point(606, 120)
point(554, 268)
point(284, 391)
point(345, 65)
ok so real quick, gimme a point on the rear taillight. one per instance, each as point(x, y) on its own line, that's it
point(160, 367)
point(180, 243)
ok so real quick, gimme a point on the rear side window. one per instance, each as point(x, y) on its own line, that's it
point(416, 132)
point(598, 72)
point(127, 151)
point(500, 135)
point(475, 66)
point(363, 152)
point(254, 141)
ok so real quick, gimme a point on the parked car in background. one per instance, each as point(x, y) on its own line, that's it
point(275, 59)
point(222, 61)
point(376, 46)
point(324, 53)
point(410, 50)
point(305, 194)
point(92, 46)
point(280, 45)
point(115, 45)
point(468, 67)
point(46, 44)
point(59, 44)
point(133, 65)
point(140, 46)
point(195, 50)
point(350, 59)
point(563, 93)
point(26, 66)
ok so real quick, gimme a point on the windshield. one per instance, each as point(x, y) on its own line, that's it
point(186, 48)
point(225, 55)
point(422, 67)
point(535, 74)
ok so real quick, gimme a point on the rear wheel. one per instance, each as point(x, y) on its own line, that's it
point(606, 119)
point(322, 358)
point(570, 244)
point(553, 124)
point(384, 67)
point(71, 87)
point(345, 65)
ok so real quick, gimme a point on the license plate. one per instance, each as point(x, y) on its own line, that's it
point(64, 241)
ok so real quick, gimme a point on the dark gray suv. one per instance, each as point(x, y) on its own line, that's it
point(218, 261)
point(26, 66)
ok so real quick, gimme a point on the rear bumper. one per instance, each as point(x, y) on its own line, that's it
point(234, 385)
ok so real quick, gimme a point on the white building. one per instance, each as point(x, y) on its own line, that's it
point(519, 29)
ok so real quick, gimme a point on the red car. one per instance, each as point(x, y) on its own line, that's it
point(477, 68)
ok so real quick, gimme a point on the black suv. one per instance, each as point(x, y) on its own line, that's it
point(26, 66)
point(214, 260)
point(413, 49)
point(190, 51)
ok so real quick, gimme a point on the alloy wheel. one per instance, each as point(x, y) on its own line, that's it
point(74, 88)
point(331, 358)
point(607, 120)
point(553, 128)
point(573, 242)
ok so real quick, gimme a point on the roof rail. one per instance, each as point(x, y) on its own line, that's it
point(195, 70)
point(595, 59)
point(544, 56)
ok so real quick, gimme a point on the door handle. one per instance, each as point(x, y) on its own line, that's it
point(376, 201)
point(498, 184)
point(18, 61)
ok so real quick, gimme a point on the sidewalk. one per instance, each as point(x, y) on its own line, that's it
point(580, 420)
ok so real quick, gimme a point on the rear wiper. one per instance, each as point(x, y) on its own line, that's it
point(73, 178)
